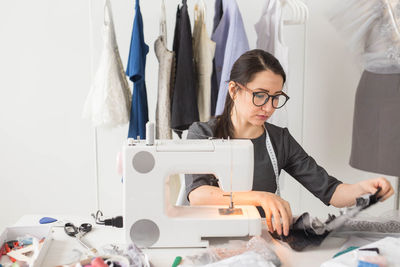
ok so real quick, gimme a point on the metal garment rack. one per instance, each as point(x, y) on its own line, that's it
point(96, 162)
point(397, 204)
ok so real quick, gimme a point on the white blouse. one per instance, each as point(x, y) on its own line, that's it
point(373, 30)
point(108, 103)
point(269, 38)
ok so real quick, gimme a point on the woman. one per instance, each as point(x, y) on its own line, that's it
point(255, 91)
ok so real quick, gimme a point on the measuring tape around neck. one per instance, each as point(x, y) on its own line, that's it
point(274, 161)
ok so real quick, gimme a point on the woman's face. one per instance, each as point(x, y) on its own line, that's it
point(246, 111)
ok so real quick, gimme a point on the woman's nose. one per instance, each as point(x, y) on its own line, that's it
point(268, 106)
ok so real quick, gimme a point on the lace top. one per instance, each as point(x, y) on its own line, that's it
point(373, 30)
point(109, 100)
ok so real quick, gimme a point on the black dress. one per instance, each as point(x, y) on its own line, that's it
point(184, 109)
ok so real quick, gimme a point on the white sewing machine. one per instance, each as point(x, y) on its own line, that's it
point(149, 218)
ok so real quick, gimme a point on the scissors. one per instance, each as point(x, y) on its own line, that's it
point(78, 232)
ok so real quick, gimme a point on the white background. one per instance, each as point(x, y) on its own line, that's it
point(47, 151)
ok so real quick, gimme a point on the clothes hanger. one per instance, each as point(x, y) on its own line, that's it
point(293, 9)
point(299, 12)
point(305, 11)
point(301, 7)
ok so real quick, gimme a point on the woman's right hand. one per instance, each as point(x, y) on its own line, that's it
point(277, 212)
point(273, 205)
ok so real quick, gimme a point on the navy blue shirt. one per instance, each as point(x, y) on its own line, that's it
point(135, 70)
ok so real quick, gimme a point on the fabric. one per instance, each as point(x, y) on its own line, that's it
point(269, 32)
point(376, 124)
point(184, 109)
point(249, 259)
point(203, 49)
point(231, 42)
point(234, 252)
point(290, 155)
point(372, 29)
point(364, 225)
point(109, 100)
point(136, 72)
point(269, 38)
point(218, 12)
point(303, 233)
point(166, 61)
point(307, 231)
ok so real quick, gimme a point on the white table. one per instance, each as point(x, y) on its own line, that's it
point(62, 245)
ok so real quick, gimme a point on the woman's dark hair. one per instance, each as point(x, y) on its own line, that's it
point(243, 71)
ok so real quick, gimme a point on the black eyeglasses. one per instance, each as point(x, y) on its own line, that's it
point(260, 98)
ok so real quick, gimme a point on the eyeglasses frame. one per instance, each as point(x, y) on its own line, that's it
point(267, 99)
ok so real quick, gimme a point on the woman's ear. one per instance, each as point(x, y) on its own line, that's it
point(232, 88)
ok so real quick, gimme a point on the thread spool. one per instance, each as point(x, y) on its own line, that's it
point(150, 133)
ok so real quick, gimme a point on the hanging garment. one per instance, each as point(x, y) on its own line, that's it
point(231, 42)
point(136, 72)
point(376, 125)
point(307, 231)
point(166, 60)
point(269, 38)
point(108, 102)
point(184, 109)
point(372, 28)
point(203, 50)
point(218, 12)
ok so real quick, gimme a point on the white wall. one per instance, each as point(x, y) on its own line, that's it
point(331, 78)
point(47, 151)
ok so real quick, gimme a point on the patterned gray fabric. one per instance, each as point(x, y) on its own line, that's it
point(389, 226)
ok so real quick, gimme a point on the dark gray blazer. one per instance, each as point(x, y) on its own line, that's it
point(290, 155)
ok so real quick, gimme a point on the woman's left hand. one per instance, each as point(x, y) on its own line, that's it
point(371, 185)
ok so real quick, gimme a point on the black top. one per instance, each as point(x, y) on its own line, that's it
point(290, 155)
point(184, 97)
